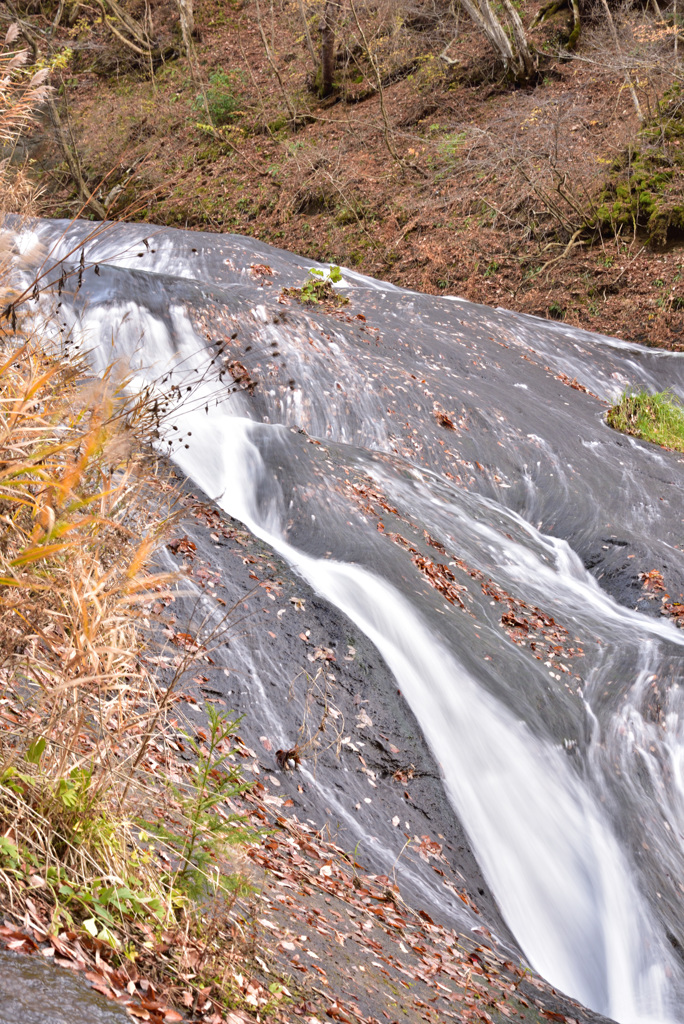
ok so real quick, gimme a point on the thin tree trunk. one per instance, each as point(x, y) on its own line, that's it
point(528, 65)
point(389, 142)
point(58, 17)
point(573, 38)
point(330, 13)
point(547, 11)
point(676, 31)
point(482, 14)
point(187, 23)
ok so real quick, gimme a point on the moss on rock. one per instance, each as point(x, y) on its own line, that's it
point(645, 188)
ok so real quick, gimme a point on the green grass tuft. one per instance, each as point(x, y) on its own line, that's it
point(658, 418)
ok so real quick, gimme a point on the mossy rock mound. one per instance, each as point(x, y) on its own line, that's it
point(645, 188)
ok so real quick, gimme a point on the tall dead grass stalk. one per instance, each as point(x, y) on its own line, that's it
point(77, 531)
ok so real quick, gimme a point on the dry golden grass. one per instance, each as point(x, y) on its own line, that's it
point(77, 530)
point(76, 537)
point(20, 95)
point(94, 837)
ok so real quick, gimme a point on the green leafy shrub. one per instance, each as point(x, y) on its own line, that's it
point(318, 285)
point(222, 99)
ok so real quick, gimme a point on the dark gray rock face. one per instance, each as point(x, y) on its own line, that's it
point(32, 991)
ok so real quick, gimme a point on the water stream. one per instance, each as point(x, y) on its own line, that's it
point(426, 466)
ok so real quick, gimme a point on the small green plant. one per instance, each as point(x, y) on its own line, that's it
point(317, 285)
point(319, 288)
point(222, 103)
point(658, 418)
point(450, 145)
point(556, 311)
point(204, 829)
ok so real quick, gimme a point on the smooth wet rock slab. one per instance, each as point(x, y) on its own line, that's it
point(33, 991)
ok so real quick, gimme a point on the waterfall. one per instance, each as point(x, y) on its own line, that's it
point(427, 469)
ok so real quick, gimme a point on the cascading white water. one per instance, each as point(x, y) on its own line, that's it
point(555, 836)
point(555, 868)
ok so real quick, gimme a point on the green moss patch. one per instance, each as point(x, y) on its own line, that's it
point(658, 418)
point(645, 188)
